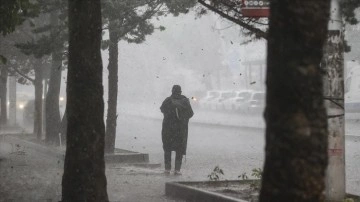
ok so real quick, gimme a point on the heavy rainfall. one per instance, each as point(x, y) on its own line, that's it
point(157, 51)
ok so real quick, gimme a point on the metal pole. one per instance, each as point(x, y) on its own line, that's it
point(333, 64)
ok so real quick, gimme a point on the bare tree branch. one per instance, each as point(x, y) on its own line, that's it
point(258, 32)
point(148, 14)
point(16, 70)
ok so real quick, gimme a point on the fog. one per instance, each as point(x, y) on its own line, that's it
point(194, 53)
point(200, 54)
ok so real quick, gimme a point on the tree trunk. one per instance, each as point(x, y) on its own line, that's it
point(52, 111)
point(38, 115)
point(3, 96)
point(113, 91)
point(295, 115)
point(84, 167)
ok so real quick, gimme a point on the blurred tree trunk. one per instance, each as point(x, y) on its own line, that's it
point(295, 115)
point(52, 111)
point(3, 95)
point(38, 115)
point(113, 90)
point(84, 167)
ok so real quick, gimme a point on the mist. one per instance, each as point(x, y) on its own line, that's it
point(214, 62)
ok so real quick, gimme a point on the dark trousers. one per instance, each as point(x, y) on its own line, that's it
point(178, 160)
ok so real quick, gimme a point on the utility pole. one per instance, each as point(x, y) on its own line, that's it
point(333, 66)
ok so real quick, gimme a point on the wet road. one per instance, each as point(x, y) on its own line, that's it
point(235, 150)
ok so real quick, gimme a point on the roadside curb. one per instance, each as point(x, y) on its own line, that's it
point(202, 123)
point(125, 157)
point(184, 190)
point(349, 137)
point(53, 152)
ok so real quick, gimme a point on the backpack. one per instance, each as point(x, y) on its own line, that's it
point(181, 108)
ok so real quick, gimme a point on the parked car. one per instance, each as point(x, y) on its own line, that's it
point(238, 102)
point(210, 95)
point(352, 90)
point(256, 102)
point(218, 103)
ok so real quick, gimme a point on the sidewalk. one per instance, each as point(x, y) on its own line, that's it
point(28, 175)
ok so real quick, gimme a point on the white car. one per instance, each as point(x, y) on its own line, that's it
point(238, 102)
point(206, 101)
point(352, 90)
point(218, 103)
point(257, 102)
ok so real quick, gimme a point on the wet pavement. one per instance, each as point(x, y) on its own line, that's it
point(235, 150)
point(27, 175)
point(30, 176)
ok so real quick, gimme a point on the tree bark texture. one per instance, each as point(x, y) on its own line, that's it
point(3, 95)
point(84, 177)
point(295, 115)
point(38, 115)
point(113, 90)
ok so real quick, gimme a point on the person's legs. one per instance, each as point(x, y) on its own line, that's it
point(167, 159)
point(178, 161)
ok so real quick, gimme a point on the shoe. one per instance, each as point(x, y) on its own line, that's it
point(167, 172)
point(177, 172)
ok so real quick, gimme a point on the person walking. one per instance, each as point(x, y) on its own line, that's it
point(177, 112)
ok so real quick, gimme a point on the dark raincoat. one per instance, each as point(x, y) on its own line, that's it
point(177, 112)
